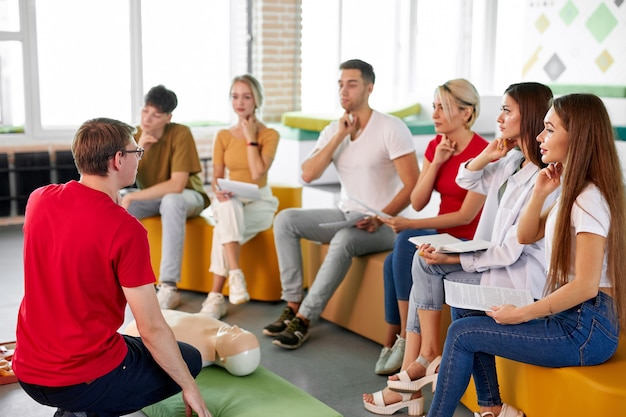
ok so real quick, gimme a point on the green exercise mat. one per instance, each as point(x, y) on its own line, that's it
point(261, 394)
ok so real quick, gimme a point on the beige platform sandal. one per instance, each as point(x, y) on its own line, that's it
point(405, 384)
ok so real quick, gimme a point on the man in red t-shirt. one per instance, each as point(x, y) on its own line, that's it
point(85, 257)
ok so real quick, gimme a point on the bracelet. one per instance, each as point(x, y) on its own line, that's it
point(549, 305)
point(253, 143)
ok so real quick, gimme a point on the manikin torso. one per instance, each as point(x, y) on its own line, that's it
point(219, 343)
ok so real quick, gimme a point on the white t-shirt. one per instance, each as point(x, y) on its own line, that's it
point(590, 213)
point(365, 166)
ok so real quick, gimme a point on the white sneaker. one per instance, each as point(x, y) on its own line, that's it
point(237, 288)
point(168, 296)
point(214, 305)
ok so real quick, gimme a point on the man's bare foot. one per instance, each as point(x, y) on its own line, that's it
point(389, 396)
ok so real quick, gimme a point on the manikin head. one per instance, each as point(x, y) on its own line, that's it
point(237, 350)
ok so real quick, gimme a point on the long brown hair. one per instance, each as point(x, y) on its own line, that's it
point(591, 158)
point(534, 101)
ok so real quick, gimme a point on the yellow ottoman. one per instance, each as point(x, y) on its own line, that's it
point(578, 391)
point(258, 256)
point(358, 304)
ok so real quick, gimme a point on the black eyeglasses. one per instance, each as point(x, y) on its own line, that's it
point(138, 151)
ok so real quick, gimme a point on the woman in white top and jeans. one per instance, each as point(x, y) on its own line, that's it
point(578, 321)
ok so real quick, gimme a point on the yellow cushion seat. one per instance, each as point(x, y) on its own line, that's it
point(258, 256)
point(316, 122)
point(578, 391)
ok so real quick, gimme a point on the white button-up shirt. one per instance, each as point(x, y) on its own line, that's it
point(508, 263)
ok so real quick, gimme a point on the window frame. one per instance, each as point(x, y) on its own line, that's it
point(34, 132)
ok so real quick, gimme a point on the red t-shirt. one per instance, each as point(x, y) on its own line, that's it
point(80, 248)
point(452, 195)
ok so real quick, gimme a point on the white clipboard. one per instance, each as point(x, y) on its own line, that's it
point(240, 189)
point(373, 210)
point(344, 223)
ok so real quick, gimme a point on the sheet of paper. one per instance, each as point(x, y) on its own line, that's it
point(445, 243)
point(373, 210)
point(434, 240)
point(483, 297)
point(465, 246)
point(240, 189)
point(343, 223)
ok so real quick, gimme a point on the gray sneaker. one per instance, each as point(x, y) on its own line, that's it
point(396, 356)
point(168, 296)
point(214, 305)
point(382, 360)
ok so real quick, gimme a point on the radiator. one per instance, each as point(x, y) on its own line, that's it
point(23, 172)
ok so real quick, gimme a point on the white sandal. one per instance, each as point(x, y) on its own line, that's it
point(405, 384)
point(507, 411)
point(415, 406)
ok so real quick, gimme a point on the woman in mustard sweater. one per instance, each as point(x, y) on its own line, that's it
point(244, 152)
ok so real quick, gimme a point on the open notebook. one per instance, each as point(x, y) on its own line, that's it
point(445, 243)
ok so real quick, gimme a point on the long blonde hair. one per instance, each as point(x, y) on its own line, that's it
point(591, 158)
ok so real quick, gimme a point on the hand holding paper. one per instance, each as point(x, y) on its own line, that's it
point(445, 243)
point(344, 223)
point(368, 208)
point(240, 189)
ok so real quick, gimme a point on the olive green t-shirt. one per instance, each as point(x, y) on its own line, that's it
point(174, 152)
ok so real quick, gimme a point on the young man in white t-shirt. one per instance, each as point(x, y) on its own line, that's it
point(375, 159)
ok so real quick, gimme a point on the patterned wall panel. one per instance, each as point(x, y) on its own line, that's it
point(575, 41)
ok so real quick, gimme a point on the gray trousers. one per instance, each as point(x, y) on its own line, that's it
point(174, 209)
point(291, 225)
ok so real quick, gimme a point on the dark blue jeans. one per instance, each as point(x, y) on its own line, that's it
point(137, 382)
point(397, 272)
point(583, 335)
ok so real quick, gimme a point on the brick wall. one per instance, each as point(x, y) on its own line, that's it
point(276, 54)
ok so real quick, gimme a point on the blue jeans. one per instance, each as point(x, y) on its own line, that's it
point(397, 272)
point(427, 292)
point(136, 383)
point(583, 335)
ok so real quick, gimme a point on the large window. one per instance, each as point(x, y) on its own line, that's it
point(413, 46)
point(11, 69)
point(188, 49)
point(98, 58)
point(64, 61)
point(83, 56)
